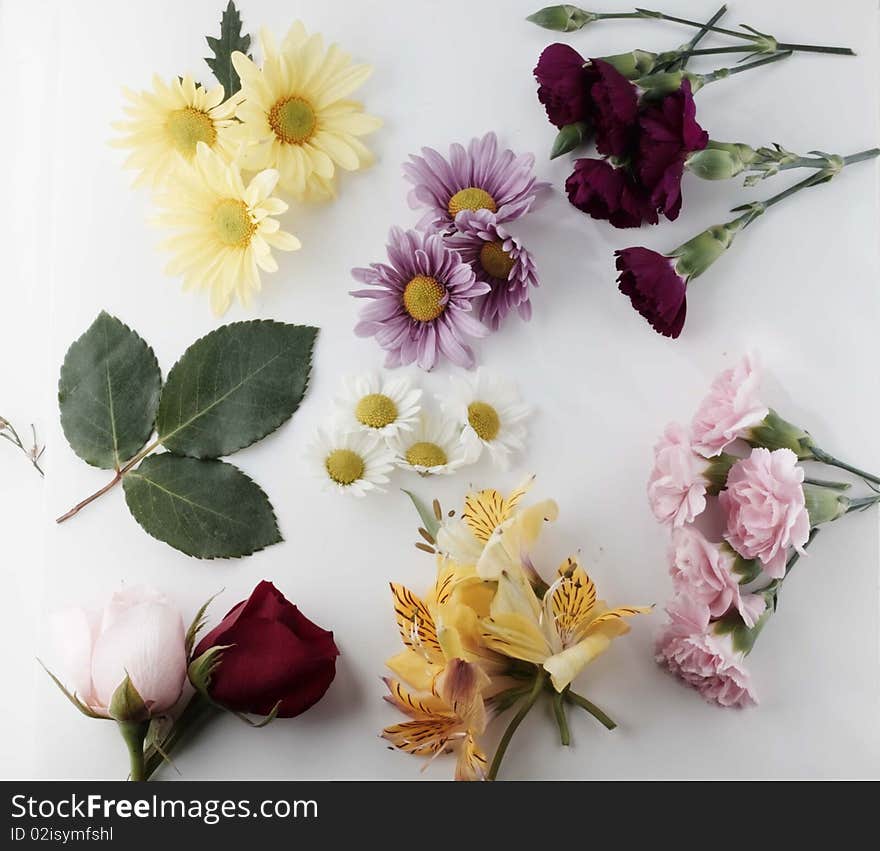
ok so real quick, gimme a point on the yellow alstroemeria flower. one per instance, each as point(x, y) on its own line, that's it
point(563, 632)
point(492, 533)
point(444, 626)
point(451, 717)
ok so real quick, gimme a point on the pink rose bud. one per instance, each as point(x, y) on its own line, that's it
point(765, 508)
point(732, 407)
point(691, 649)
point(140, 634)
point(680, 479)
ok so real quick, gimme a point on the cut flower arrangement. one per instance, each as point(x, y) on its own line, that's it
point(462, 271)
point(382, 423)
point(131, 665)
point(216, 157)
point(491, 634)
point(743, 456)
point(640, 109)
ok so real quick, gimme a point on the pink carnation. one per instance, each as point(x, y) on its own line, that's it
point(764, 508)
point(732, 407)
point(676, 487)
point(701, 658)
point(703, 571)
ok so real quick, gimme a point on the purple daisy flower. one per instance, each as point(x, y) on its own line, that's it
point(499, 260)
point(422, 301)
point(479, 178)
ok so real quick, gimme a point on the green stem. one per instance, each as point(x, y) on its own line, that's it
point(862, 503)
point(134, 733)
point(561, 720)
point(685, 53)
point(525, 708)
point(824, 458)
point(646, 13)
point(579, 700)
point(724, 73)
point(194, 716)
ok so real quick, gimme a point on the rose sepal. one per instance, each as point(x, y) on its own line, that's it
point(72, 697)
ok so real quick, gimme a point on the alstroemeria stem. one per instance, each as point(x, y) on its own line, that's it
point(589, 706)
point(134, 733)
point(111, 484)
point(757, 38)
point(195, 714)
point(524, 709)
point(561, 720)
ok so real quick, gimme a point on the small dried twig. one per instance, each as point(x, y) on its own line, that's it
point(33, 452)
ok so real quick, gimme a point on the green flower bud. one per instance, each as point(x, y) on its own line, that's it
point(720, 161)
point(698, 254)
point(656, 86)
point(568, 138)
point(632, 65)
point(742, 638)
point(716, 472)
point(824, 504)
point(564, 19)
point(746, 569)
point(773, 432)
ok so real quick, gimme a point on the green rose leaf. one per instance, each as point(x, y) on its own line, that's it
point(230, 41)
point(206, 509)
point(234, 386)
point(108, 393)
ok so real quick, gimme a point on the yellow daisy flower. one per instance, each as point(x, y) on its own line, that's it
point(225, 230)
point(295, 115)
point(166, 124)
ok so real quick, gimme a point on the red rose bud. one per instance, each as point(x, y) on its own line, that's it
point(604, 192)
point(654, 287)
point(668, 133)
point(272, 656)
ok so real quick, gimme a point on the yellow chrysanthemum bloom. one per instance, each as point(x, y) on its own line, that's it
point(225, 230)
point(295, 115)
point(165, 126)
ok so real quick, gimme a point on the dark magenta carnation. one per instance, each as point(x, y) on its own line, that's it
point(655, 289)
point(604, 192)
point(615, 110)
point(274, 655)
point(563, 84)
point(668, 132)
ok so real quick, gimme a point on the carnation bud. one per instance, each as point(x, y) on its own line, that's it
point(633, 65)
point(746, 569)
point(716, 472)
point(742, 638)
point(773, 432)
point(568, 138)
point(564, 19)
point(656, 86)
point(698, 254)
point(825, 504)
point(720, 160)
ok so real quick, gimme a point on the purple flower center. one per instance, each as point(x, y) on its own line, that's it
point(423, 298)
point(495, 260)
point(471, 198)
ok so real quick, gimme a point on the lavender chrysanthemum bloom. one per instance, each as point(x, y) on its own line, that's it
point(479, 178)
point(422, 301)
point(498, 259)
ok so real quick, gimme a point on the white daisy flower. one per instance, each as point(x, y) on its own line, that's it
point(379, 405)
point(491, 416)
point(351, 462)
point(433, 447)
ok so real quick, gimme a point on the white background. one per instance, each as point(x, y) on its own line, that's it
point(800, 287)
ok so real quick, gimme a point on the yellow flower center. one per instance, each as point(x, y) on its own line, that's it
point(471, 199)
point(484, 420)
point(422, 298)
point(344, 466)
point(232, 222)
point(376, 411)
point(426, 454)
point(189, 126)
point(293, 120)
point(495, 260)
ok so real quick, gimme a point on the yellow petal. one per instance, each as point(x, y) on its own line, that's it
point(517, 637)
point(472, 763)
point(425, 737)
point(415, 622)
point(565, 666)
point(416, 706)
point(414, 669)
